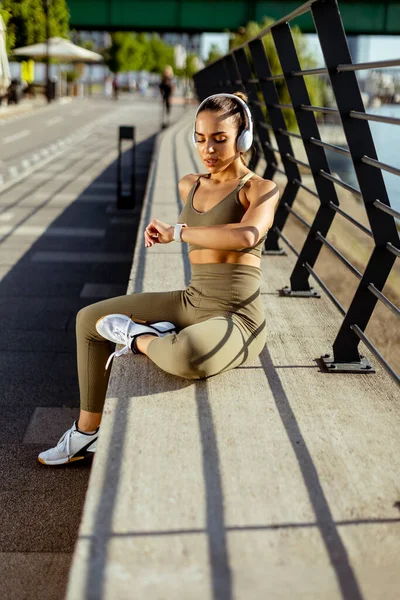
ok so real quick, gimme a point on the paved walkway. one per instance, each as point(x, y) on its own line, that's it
point(63, 245)
point(14, 112)
point(274, 480)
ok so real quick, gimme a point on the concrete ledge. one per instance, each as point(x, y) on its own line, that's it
point(273, 480)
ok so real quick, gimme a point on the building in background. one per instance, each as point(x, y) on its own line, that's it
point(100, 39)
point(191, 42)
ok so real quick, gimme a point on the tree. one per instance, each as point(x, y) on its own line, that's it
point(87, 44)
point(10, 39)
point(59, 18)
point(26, 21)
point(192, 64)
point(126, 53)
point(213, 54)
point(138, 51)
point(315, 85)
point(160, 54)
point(113, 55)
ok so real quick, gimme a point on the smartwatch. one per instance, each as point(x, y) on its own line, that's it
point(178, 231)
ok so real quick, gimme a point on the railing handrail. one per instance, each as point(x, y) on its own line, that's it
point(295, 13)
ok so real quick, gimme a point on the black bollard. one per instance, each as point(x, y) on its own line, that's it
point(126, 199)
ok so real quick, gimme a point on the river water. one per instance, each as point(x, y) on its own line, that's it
point(387, 144)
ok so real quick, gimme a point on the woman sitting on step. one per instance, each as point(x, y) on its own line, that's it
point(216, 323)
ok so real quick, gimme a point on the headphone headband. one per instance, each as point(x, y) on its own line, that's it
point(245, 139)
point(242, 102)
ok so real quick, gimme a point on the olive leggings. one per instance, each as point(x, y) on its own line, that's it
point(219, 319)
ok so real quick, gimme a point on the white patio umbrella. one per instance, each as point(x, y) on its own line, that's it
point(5, 76)
point(59, 48)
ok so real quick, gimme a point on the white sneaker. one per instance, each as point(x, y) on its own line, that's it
point(72, 445)
point(120, 329)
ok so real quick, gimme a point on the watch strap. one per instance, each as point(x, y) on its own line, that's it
point(178, 231)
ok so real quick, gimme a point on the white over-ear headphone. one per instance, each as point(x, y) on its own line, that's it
point(245, 139)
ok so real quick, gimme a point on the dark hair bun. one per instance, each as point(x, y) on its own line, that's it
point(242, 96)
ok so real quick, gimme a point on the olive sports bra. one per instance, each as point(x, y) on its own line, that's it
point(228, 210)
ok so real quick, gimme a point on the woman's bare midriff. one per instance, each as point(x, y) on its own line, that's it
point(207, 256)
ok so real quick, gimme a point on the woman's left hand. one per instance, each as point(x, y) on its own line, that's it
point(158, 232)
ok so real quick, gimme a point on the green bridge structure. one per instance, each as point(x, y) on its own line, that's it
point(194, 16)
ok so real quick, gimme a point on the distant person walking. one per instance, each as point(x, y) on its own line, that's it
point(167, 87)
point(115, 87)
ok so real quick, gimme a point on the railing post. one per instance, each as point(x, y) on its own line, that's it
point(199, 80)
point(207, 81)
point(258, 117)
point(345, 87)
point(232, 77)
point(316, 157)
point(235, 83)
point(278, 124)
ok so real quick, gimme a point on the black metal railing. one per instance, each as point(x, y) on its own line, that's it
point(247, 67)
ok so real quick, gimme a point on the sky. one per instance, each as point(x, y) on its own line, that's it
point(371, 47)
point(208, 39)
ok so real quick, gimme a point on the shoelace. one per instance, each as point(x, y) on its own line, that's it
point(123, 350)
point(65, 440)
